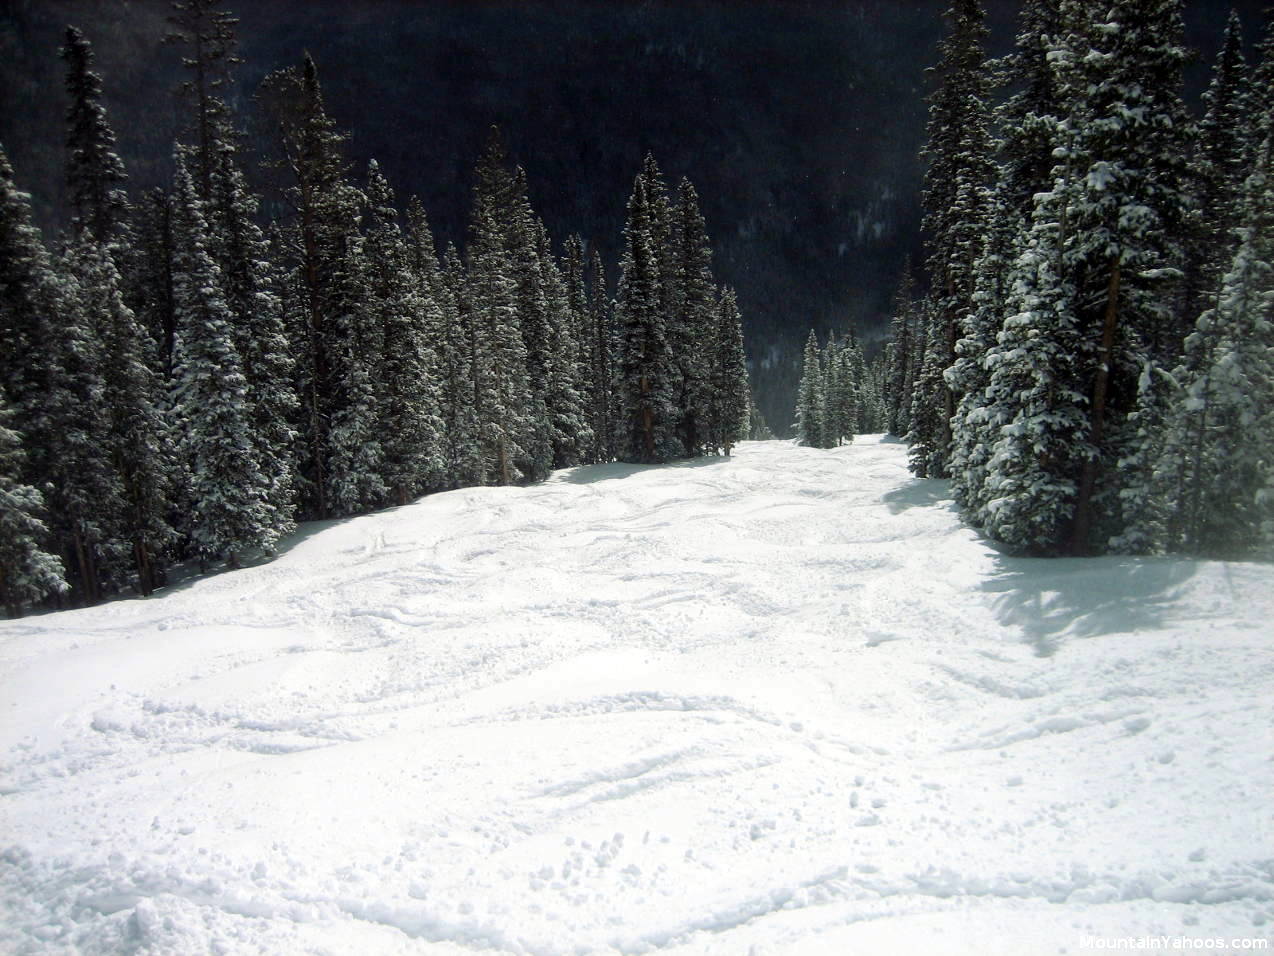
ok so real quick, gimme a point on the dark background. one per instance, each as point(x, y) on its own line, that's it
point(798, 122)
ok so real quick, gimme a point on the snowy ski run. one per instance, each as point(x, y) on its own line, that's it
point(777, 703)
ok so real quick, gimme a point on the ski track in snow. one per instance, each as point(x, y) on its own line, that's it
point(783, 702)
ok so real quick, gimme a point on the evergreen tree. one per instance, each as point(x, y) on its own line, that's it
point(729, 397)
point(1072, 373)
point(94, 172)
point(976, 424)
point(355, 343)
point(602, 348)
point(337, 344)
point(1218, 462)
point(464, 460)
point(960, 169)
point(148, 265)
point(902, 371)
point(410, 424)
point(52, 377)
point(929, 453)
point(137, 434)
point(809, 397)
point(261, 339)
point(28, 571)
point(646, 370)
point(509, 428)
point(757, 429)
point(1029, 118)
point(28, 297)
point(207, 34)
point(694, 319)
point(227, 493)
point(1219, 167)
point(568, 415)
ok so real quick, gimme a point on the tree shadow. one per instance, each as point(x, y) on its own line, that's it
point(612, 471)
point(1049, 598)
point(918, 493)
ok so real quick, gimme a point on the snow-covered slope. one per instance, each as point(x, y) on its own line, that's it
point(782, 701)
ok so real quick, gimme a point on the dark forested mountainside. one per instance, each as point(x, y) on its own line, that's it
point(799, 121)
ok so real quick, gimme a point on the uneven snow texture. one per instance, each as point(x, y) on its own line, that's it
point(782, 702)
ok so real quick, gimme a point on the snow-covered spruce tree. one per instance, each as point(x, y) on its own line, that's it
point(834, 422)
point(445, 335)
point(1090, 316)
point(663, 238)
point(929, 436)
point(1028, 120)
point(1220, 164)
point(646, 370)
point(227, 493)
point(28, 571)
point(147, 263)
point(409, 422)
point(207, 35)
point(1131, 210)
point(70, 439)
point(94, 172)
point(563, 394)
point(729, 397)
point(1261, 92)
point(809, 397)
point(903, 329)
point(571, 267)
point(1028, 124)
point(531, 302)
point(261, 340)
point(694, 319)
point(355, 345)
point(1035, 412)
point(508, 427)
point(960, 168)
point(846, 398)
point(757, 429)
point(602, 373)
point(976, 425)
point(336, 346)
point(52, 377)
point(29, 294)
point(840, 385)
point(1218, 461)
point(466, 463)
point(137, 432)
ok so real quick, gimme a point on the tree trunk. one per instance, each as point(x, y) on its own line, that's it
point(145, 568)
point(647, 420)
point(1083, 518)
point(506, 474)
point(87, 568)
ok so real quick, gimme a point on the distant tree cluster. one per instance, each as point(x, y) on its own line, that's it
point(184, 382)
point(840, 394)
point(1093, 366)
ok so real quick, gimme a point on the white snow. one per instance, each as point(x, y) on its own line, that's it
point(783, 702)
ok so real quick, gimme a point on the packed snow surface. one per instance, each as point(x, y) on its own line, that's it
point(781, 702)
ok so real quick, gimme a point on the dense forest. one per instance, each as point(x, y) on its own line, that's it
point(1093, 363)
point(184, 380)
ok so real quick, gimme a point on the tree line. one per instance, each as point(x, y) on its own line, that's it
point(1092, 364)
point(183, 381)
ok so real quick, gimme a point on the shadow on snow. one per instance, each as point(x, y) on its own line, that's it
point(1086, 597)
point(918, 493)
point(591, 474)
